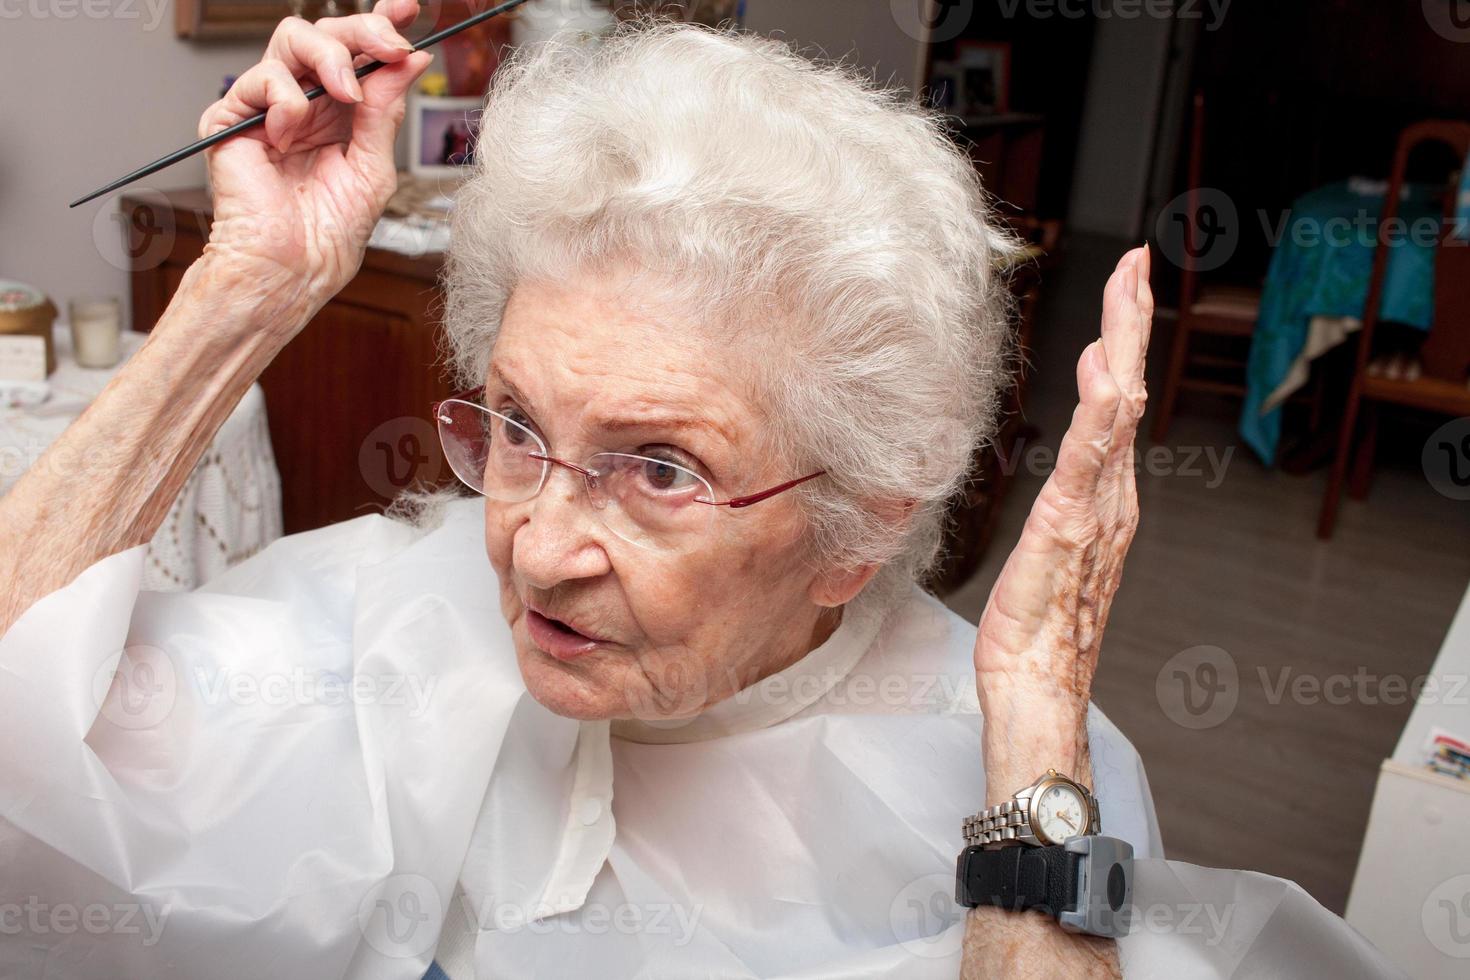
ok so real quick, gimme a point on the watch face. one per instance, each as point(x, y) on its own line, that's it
point(1059, 813)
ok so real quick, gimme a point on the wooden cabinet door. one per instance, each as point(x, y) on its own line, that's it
point(348, 402)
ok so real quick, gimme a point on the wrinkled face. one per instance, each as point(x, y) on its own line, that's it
point(603, 627)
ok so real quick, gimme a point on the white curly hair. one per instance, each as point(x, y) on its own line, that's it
point(747, 177)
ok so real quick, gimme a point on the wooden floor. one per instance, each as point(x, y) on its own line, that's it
point(1283, 784)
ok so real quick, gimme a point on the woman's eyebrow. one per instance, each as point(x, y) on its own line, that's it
point(511, 389)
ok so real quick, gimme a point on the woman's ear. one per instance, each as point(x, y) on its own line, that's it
point(836, 586)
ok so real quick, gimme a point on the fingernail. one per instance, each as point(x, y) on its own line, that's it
point(349, 82)
point(395, 40)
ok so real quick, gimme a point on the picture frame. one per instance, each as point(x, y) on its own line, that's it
point(985, 84)
point(945, 88)
point(236, 20)
point(441, 134)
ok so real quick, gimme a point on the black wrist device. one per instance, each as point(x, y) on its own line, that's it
point(1086, 883)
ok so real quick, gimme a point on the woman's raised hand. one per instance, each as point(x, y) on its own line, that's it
point(296, 199)
point(1039, 637)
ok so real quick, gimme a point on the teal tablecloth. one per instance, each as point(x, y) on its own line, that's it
point(1321, 267)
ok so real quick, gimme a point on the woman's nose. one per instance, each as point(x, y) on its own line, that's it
point(561, 538)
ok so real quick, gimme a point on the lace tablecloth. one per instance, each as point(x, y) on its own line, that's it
point(230, 507)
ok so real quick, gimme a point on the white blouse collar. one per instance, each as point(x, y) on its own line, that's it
point(779, 696)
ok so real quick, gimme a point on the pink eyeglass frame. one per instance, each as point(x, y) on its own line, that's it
point(733, 502)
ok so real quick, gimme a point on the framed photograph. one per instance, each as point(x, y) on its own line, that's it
point(985, 83)
point(233, 20)
point(946, 87)
point(441, 134)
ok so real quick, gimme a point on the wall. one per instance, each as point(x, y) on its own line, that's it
point(1110, 183)
point(865, 32)
point(86, 100)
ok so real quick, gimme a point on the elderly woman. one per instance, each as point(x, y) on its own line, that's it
point(733, 323)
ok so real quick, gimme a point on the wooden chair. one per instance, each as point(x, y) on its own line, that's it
point(1228, 311)
point(1444, 358)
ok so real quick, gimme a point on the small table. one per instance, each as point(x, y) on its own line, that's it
point(1317, 287)
point(229, 508)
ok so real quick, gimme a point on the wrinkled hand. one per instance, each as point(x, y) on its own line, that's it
point(296, 199)
point(1037, 646)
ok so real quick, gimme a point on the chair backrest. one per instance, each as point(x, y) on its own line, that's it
point(1189, 278)
point(1446, 351)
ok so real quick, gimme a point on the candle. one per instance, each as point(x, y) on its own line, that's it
point(96, 332)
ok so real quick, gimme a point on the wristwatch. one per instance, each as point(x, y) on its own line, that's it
point(1086, 883)
point(1052, 810)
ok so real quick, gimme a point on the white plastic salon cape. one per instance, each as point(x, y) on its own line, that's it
point(324, 764)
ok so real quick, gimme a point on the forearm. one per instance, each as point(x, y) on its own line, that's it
point(1023, 737)
point(108, 482)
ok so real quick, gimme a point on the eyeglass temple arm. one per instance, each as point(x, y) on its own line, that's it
point(470, 395)
point(756, 498)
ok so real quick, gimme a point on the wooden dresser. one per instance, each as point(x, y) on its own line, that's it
point(348, 400)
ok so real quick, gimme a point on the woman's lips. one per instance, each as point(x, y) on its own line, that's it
point(559, 641)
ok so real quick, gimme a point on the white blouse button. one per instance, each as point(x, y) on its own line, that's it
point(591, 811)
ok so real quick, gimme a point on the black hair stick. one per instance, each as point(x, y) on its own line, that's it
point(244, 124)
